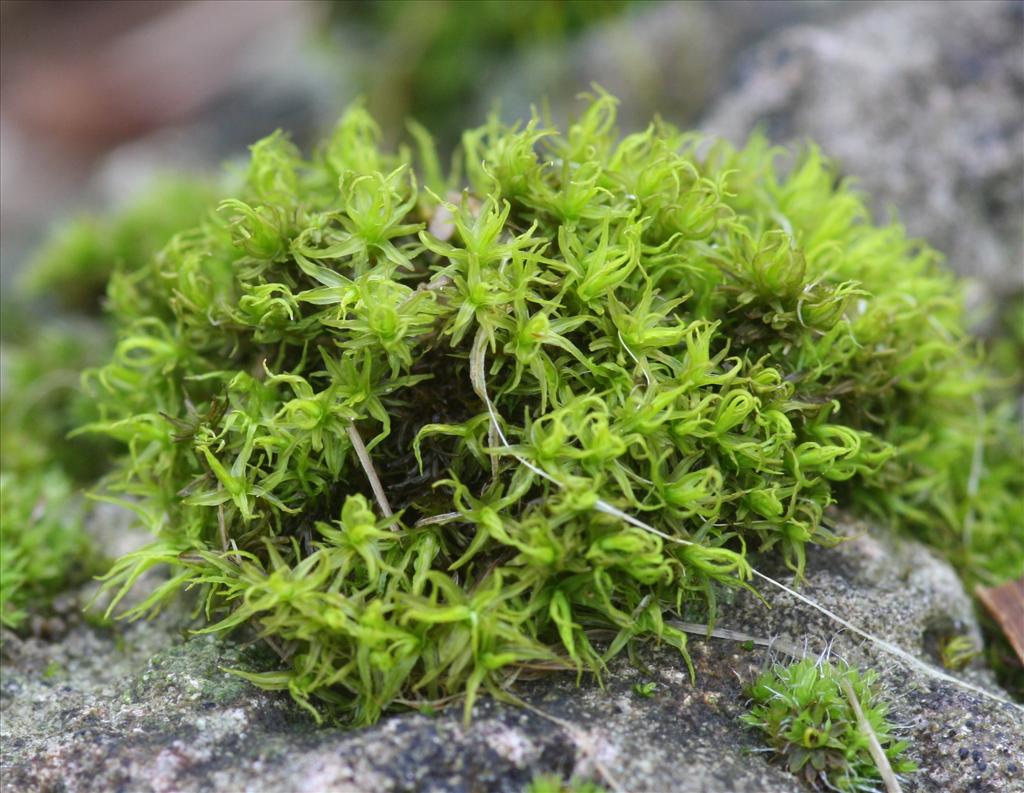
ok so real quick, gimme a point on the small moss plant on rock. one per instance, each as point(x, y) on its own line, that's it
point(810, 722)
point(552, 783)
point(426, 433)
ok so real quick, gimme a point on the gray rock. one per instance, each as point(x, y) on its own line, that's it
point(921, 102)
point(142, 709)
point(666, 59)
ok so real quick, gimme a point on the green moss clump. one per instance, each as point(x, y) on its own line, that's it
point(423, 433)
point(811, 724)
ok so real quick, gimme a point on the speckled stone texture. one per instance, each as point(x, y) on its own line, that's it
point(147, 709)
point(923, 104)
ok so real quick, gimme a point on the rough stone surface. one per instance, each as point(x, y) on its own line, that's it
point(921, 102)
point(666, 59)
point(142, 708)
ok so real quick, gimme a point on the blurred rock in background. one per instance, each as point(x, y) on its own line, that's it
point(667, 59)
point(430, 60)
point(923, 104)
point(97, 98)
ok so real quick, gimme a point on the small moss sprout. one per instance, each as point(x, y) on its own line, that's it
point(646, 690)
point(808, 718)
point(553, 783)
point(956, 652)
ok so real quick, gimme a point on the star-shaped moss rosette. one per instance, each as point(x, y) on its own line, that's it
point(806, 714)
point(426, 433)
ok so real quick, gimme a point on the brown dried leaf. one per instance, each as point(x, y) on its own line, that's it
point(1006, 605)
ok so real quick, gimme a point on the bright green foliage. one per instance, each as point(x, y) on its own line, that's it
point(812, 726)
point(587, 386)
point(990, 549)
point(645, 690)
point(553, 783)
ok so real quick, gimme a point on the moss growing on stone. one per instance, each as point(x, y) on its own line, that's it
point(553, 783)
point(808, 719)
point(426, 433)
